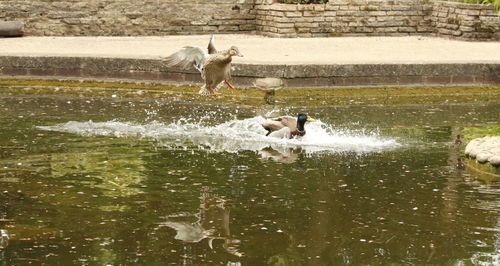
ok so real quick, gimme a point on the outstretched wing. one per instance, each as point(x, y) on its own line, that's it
point(211, 46)
point(186, 58)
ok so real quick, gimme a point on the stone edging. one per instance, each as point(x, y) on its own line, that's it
point(245, 74)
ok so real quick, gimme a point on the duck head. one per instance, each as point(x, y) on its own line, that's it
point(234, 51)
point(302, 119)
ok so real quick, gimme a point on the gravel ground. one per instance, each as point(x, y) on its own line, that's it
point(263, 50)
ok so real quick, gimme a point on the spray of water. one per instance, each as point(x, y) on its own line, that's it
point(233, 136)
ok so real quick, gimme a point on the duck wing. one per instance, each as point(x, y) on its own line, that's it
point(211, 46)
point(278, 123)
point(187, 57)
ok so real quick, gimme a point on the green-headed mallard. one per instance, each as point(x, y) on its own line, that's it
point(215, 66)
point(286, 126)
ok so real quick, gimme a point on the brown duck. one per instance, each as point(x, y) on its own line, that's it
point(214, 66)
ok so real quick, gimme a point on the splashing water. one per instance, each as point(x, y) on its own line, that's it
point(233, 136)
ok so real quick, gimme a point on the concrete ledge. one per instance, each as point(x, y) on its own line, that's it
point(334, 75)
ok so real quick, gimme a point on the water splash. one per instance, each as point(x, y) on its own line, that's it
point(233, 136)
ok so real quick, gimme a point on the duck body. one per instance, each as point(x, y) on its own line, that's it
point(286, 126)
point(217, 68)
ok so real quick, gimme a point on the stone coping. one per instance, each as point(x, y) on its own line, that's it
point(485, 150)
point(245, 75)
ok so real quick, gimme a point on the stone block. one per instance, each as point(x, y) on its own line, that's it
point(377, 13)
point(488, 12)
point(466, 17)
point(307, 25)
point(319, 7)
point(369, 8)
point(329, 13)
point(466, 29)
point(247, 27)
point(312, 13)
point(302, 30)
point(305, 7)
point(332, 7)
point(304, 35)
point(444, 31)
point(345, 13)
point(293, 14)
point(451, 26)
point(387, 29)
point(303, 19)
point(407, 29)
point(282, 7)
point(71, 21)
point(284, 25)
point(228, 28)
point(401, 8)
point(471, 12)
point(276, 13)
point(425, 29)
point(286, 30)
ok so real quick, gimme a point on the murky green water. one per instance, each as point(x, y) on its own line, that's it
point(163, 182)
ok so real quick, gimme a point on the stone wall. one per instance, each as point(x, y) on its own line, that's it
point(345, 18)
point(130, 17)
point(336, 18)
point(466, 21)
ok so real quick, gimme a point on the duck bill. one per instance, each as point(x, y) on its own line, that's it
point(240, 54)
point(310, 119)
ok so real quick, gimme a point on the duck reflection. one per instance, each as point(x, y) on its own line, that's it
point(282, 155)
point(212, 222)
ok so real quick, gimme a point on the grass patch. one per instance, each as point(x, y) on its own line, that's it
point(470, 133)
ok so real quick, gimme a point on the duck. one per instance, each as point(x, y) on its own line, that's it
point(214, 65)
point(460, 164)
point(286, 126)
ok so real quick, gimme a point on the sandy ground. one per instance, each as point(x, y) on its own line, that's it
point(263, 50)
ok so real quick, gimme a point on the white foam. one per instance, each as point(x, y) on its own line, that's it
point(233, 136)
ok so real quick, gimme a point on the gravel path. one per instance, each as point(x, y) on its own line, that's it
point(264, 50)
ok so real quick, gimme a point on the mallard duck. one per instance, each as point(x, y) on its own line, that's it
point(286, 126)
point(214, 66)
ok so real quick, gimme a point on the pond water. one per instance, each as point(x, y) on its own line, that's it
point(96, 181)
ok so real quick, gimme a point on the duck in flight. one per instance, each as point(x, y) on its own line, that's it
point(214, 65)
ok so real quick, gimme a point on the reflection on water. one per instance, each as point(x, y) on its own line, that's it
point(283, 155)
point(212, 222)
point(366, 185)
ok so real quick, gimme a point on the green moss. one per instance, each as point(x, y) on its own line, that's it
point(470, 133)
point(484, 172)
point(253, 96)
